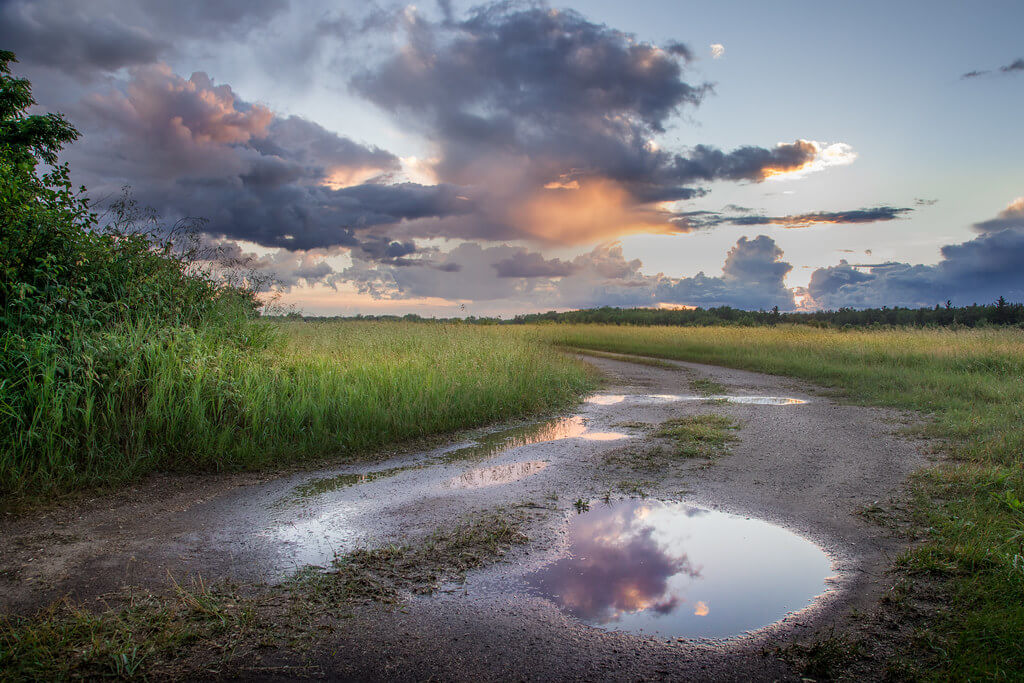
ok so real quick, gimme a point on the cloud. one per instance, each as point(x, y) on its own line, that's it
point(753, 276)
point(554, 114)
point(1015, 65)
point(1010, 217)
point(717, 50)
point(977, 271)
point(105, 35)
point(191, 147)
point(707, 219)
point(1007, 69)
point(532, 264)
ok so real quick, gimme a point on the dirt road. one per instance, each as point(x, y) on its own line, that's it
point(812, 468)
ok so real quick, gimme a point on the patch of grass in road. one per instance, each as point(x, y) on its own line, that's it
point(707, 387)
point(699, 436)
point(969, 385)
point(220, 631)
point(382, 574)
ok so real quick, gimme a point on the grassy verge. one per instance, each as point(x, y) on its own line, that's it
point(970, 386)
point(213, 631)
point(184, 400)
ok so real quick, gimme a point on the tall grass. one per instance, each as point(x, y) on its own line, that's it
point(190, 399)
point(970, 386)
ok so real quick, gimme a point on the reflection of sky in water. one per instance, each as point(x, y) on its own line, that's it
point(499, 474)
point(760, 400)
point(675, 570)
point(553, 430)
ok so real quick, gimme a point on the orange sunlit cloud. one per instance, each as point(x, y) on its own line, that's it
point(600, 209)
point(822, 157)
point(701, 609)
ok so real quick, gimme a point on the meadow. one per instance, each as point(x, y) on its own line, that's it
point(968, 386)
point(187, 400)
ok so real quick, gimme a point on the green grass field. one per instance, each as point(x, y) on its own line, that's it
point(969, 387)
point(186, 401)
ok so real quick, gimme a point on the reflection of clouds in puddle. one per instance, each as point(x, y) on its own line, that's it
point(614, 399)
point(499, 474)
point(631, 566)
point(603, 436)
point(490, 445)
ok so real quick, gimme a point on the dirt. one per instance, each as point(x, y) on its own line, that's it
point(813, 468)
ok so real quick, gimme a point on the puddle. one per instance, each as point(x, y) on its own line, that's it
point(759, 400)
point(491, 444)
point(673, 570)
point(606, 399)
point(614, 399)
point(499, 474)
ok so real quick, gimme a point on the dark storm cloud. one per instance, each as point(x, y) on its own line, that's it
point(977, 271)
point(524, 98)
point(708, 219)
point(75, 38)
point(193, 148)
point(84, 38)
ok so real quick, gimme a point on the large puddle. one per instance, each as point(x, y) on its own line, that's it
point(673, 570)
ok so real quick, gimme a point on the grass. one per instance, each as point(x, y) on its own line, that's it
point(707, 387)
point(699, 436)
point(969, 387)
point(203, 631)
point(186, 401)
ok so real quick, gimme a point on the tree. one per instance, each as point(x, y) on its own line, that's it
point(27, 138)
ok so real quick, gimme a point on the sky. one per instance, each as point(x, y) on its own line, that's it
point(451, 158)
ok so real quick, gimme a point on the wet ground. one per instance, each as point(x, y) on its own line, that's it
point(750, 549)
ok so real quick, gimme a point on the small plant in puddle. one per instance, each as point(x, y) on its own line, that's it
point(581, 506)
point(700, 436)
point(707, 387)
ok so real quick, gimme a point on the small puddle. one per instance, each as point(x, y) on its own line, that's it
point(673, 570)
point(759, 400)
point(499, 474)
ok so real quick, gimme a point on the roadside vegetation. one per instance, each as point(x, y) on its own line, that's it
point(969, 508)
point(129, 346)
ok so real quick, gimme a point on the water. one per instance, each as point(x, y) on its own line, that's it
point(760, 400)
point(673, 570)
point(494, 443)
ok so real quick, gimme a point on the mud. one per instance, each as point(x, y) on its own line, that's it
point(805, 467)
